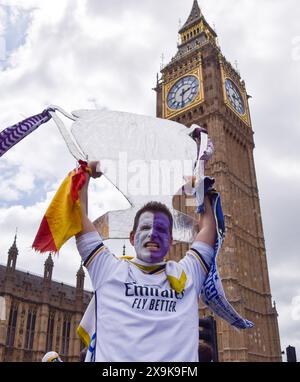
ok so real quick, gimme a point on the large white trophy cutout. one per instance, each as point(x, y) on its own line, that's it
point(145, 158)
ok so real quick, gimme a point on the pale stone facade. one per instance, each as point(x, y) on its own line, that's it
point(242, 262)
point(40, 314)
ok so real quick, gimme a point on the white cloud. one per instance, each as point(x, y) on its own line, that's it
point(280, 166)
point(2, 21)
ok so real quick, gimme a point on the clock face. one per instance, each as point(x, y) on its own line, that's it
point(235, 97)
point(183, 92)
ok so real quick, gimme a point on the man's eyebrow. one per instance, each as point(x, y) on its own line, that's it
point(147, 222)
point(163, 227)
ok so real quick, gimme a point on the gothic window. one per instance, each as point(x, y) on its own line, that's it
point(30, 326)
point(12, 324)
point(66, 335)
point(50, 331)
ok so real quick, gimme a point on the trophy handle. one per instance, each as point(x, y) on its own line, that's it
point(73, 147)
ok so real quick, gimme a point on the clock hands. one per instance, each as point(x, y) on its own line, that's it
point(183, 91)
point(235, 100)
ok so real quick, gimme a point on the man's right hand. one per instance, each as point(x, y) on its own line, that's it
point(95, 169)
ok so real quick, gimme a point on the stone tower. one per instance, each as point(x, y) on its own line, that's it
point(199, 86)
point(80, 275)
point(48, 269)
point(12, 256)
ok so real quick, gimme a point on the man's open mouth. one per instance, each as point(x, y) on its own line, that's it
point(152, 246)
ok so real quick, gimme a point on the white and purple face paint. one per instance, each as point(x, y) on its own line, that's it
point(152, 237)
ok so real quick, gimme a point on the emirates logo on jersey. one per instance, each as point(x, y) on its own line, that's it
point(151, 297)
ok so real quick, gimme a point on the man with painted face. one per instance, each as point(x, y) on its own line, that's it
point(146, 307)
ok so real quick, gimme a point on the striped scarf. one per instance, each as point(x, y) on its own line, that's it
point(14, 134)
point(212, 292)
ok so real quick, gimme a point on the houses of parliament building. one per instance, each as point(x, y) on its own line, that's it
point(41, 314)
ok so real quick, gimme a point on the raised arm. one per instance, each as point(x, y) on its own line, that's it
point(207, 226)
point(97, 258)
point(87, 225)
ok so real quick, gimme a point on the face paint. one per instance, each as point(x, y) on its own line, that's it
point(152, 237)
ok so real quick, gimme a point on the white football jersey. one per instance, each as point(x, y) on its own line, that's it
point(139, 317)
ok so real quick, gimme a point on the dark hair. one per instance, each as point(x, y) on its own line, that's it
point(205, 352)
point(153, 207)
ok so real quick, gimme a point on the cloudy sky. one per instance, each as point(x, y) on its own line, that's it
point(96, 53)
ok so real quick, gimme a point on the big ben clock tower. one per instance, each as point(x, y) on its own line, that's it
point(199, 86)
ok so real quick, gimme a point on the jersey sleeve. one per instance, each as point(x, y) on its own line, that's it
point(197, 262)
point(97, 258)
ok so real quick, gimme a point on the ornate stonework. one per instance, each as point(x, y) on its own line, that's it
point(41, 314)
point(224, 110)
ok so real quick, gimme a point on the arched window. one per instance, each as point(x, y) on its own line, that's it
point(50, 331)
point(30, 327)
point(12, 324)
point(66, 335)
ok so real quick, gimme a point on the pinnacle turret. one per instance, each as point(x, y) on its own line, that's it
point(48, 268)
point(194, 17)
point(80, 275)
point(12, 255)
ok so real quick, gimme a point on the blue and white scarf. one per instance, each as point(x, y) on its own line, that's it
point(212, 292)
